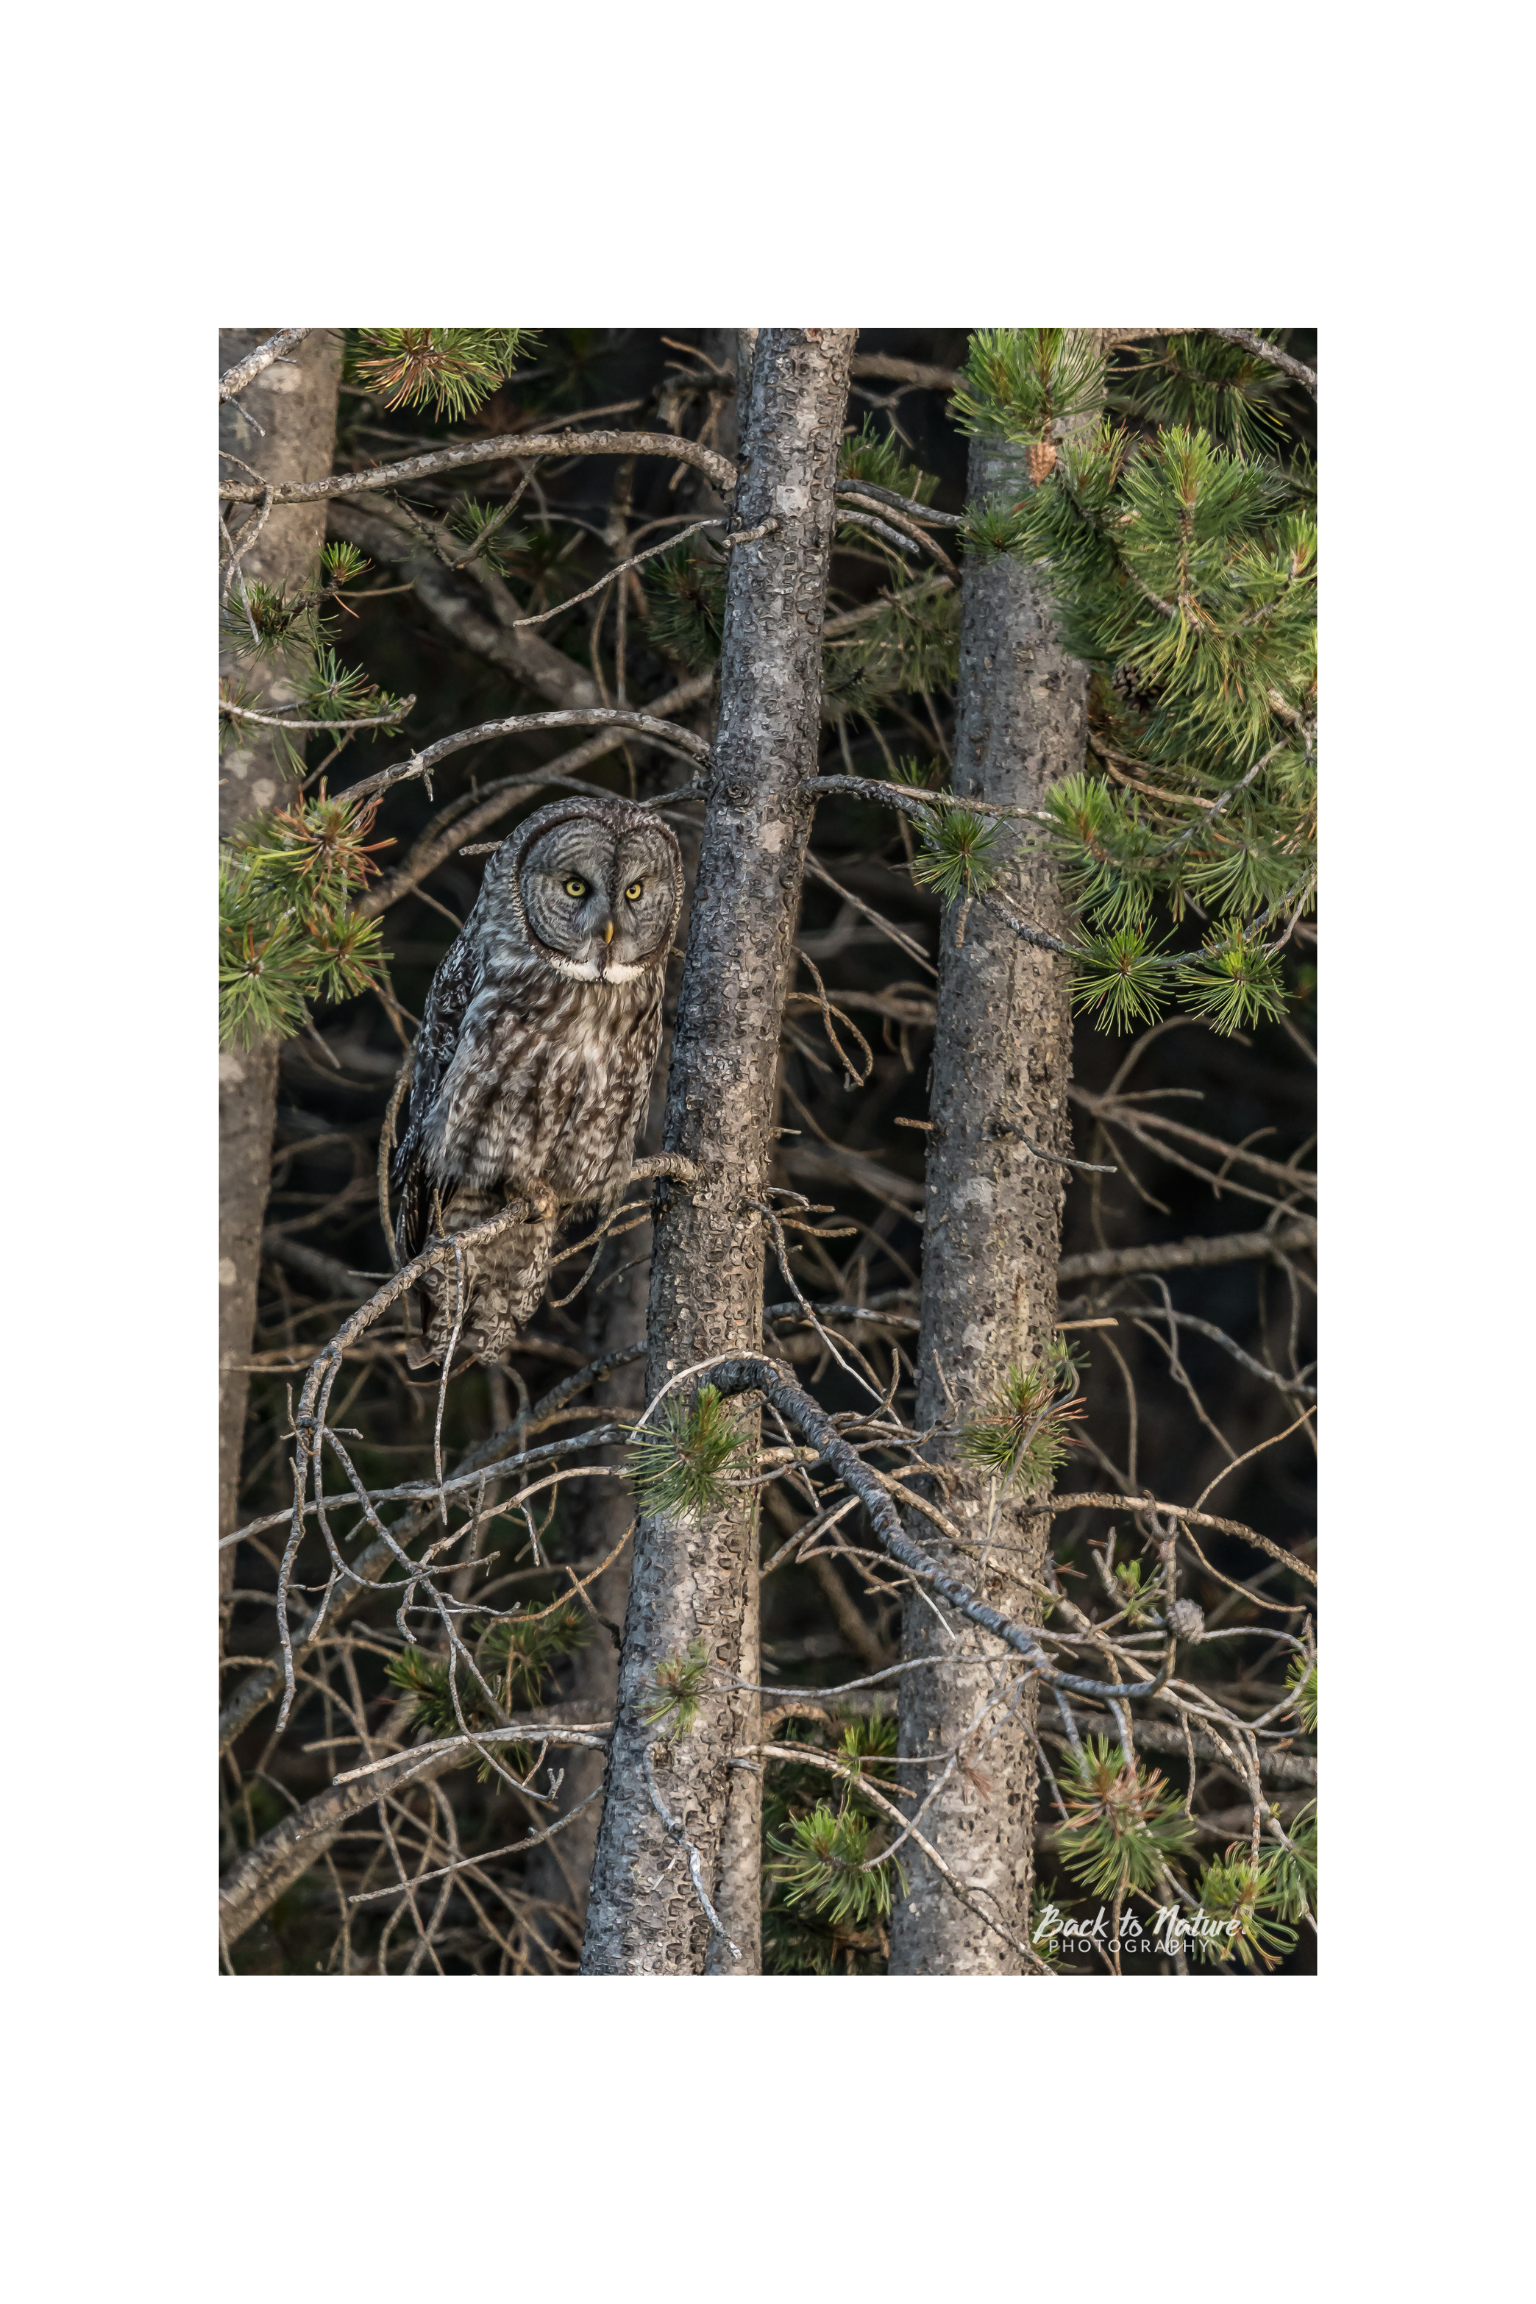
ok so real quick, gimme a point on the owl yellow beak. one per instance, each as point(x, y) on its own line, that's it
point(607, 931)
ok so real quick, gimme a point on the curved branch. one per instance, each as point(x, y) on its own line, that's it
point(1270, 352)
point(266, 1870)
point(476, 812)
point(494, 451)
point(1071, 1501)
point(642, 723)
point(749, 1374)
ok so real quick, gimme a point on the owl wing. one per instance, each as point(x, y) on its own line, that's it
point(453, 988)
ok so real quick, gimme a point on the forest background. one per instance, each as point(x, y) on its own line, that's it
point(1208, 1357)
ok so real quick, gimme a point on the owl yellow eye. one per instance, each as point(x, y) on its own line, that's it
point(631, 895)
point(575, 887)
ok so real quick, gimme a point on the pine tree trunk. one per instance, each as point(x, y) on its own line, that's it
point(691, 1580)
point(294, 402)
point(1001, 1063)
point(561, 1870)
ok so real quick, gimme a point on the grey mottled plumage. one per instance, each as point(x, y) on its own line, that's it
point(534, 1059)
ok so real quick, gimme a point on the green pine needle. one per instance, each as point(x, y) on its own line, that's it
point(484, 529)
point(1021, 382)
point(288, 933)
point(1201, 380)
point(1292, 1872)
point(958, 855)
point(1122, 1825)
point(676, 1686)
point(911, 648)
point(687, 596)
point(1238, 981)
point(521, 1651)
point(1236, 1889)
point(1121, 979)
point(452, 370)
point(869, 454)
point(1183, 570)
point(678, 1462)
point(1023, 1437)
point(819, 1862)
point(1301, 1679)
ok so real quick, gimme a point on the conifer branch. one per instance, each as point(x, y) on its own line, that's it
point(743, 1373)
point(914, 800)
point(903, 535)
point(924, 515)
point(245, 371)
point(641, 723)
point(1189, 1255)
point(1270, 352)
point(330, 727)
point(1069, 1500)
point(921, 373)
point(887, 535)
point(504, 447)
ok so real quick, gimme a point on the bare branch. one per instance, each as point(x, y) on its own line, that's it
point(1190, 1255)
point(245, 371)
point(1270, 352)
point(498, 450)
point(639, 723)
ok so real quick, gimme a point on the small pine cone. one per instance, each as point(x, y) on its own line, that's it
point(1187, 1619)
point(1042, 460)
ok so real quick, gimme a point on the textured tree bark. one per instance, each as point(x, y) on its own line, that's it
point(294, 402)
point(1001, 1064)
point(561, 1870)
point(690, 1579)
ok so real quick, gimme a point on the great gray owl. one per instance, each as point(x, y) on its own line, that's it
point(534, 1059)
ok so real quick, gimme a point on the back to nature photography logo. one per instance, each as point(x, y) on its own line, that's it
point(1062, 1933)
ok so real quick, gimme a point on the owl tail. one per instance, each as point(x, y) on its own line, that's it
point(489, 1293)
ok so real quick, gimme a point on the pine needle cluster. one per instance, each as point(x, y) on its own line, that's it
point(484, 529)
point(1137, 1592)
point(823, 1903)
point(1183, 569)
point(873, 455)
point(1122, 1823)
point(1235, 1888)
point(819, 1861)
point(686, 590)
point(519, 1655)
point(958, 855)
point(288, 930)
point(288, 933)
point(1210, 385)
point(679, 1463)
point(1301, 1679)
point(676, 1686)
point(453, 371)
point(520, 1652)
point(1024, 384)
point(1023, 1438)
point(260, 621)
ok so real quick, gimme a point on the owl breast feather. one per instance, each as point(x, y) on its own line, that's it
point(548, 1085)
